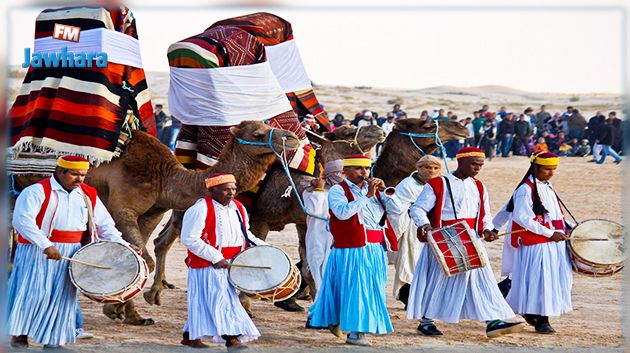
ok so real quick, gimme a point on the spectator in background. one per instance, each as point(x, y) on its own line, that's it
point(568, 113)
point(175, 128)
point(522, 130)
point(160, 122)
point(470, 140)
point(617, 127)
point(478, 123)
point(441, 115)
point(584, 149)
point(606, 139)
point(541, 146)
point(506, 132)
point(367, 120)
point(424, 116)
point(396, 110)
point(488, 137)
point(576, 124)
point(502, 112)
point(541, 118)
point(347, 123)
point(594, 125)
point(382, 119)
point(358, 117)
point(402, 116)
point(388, 125)
point(454, 145)
point(310, 123)
point(338, 120)
point(555, 142)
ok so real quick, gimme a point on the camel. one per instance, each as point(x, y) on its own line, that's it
point(341, 142)
point(147, 180)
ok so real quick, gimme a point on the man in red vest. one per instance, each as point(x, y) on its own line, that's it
point(542, 276)
point(214, 230)
point(352, 295)
point(469, 295)
point(51, 218)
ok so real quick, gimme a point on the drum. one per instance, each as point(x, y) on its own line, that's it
point(279, 283)
point(126, 278)
point(597, 247)
point(456, 248)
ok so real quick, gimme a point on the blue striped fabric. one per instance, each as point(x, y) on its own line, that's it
point(42, 299)
point(353, 291)
point(214, 308)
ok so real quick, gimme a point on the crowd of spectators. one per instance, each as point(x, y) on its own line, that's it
point(504, 133)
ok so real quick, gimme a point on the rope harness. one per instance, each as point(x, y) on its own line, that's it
point(435, 135)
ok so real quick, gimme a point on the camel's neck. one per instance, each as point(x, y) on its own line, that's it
point(399, 156)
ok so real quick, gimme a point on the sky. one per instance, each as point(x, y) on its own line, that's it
point(560, 49)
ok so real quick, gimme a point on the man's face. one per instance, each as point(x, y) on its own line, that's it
point(224, 193)
point(428, 171)
point(71, 178)
point(390, 115)
point(543, 108)
point(544, 173)
point(357, 174)
point(470, 166)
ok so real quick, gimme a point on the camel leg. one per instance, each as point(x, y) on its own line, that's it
point(305, 270)
point(163, 243)
point(259, 228)
point(246, 302)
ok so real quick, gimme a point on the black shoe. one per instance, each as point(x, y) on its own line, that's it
point(592, 161)
point(531, 319)
point(309, 326)
point(544, 328)
point(19, 341)
point(403, 294)
point(429, 330)
point(289, 305)
point(618, 161)
point(505, 286)
point(498, 328)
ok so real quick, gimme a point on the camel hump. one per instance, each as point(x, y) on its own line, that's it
point(145, 151)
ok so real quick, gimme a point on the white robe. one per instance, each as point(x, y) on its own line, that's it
point(213, 305)
point(318, 238)
point(409, 247)
point(500, 219)
point(471, 295)
point(542, 276)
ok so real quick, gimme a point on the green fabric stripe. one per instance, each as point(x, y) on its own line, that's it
point(187, 53)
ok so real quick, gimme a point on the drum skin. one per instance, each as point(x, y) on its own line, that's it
point(279, 283)
point(597, 258)
point(456, 248)
point(125, 280)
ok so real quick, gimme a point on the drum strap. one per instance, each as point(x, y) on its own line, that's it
point(91, 226)
point(243, 229)
point(450, 193)
point(565, 207)
point(384, 217)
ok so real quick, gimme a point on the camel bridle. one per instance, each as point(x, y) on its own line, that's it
point(435, 135)
point(354, 142)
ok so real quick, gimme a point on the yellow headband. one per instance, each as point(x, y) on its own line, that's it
point(220, 179)
point(357, 162)
point(548, 162)
point(470, 154)
point(78, 165)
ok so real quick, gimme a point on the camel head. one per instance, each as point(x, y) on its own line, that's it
point(348, 140)
point(253, 138)
point(448, 130)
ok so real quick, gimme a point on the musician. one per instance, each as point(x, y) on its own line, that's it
point(51, 218)
point(407, 191)
point(470, 295)
point(541, 272)
point(214, 230)
point(352, 296)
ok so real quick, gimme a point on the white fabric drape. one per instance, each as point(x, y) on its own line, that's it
point(287, 66)
point(119, 47)
point(225, 96)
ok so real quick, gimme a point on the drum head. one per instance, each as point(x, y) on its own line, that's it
point(122, 260)
point(260, 280)
point(606, 252)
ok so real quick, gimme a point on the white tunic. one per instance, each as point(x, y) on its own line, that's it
point(500, 219)
point(542, 276)
point(471, 295)
point(409, 247)
point(318, 238)
point(213, 305)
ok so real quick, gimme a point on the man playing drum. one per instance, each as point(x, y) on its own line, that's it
point(214, 230)
point(541, 272)
point(51, 218)
point(352, 296)
point(469, 295)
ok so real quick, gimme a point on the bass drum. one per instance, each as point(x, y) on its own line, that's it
point(597, 247)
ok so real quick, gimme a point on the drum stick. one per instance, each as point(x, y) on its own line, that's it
point(249, 266)
point(590, 239)
point(512, 232)
point(86, 263)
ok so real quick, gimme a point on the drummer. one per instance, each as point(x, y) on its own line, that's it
point(214, 230)
point(51, 218)
point(541, 272)
point(471, 295)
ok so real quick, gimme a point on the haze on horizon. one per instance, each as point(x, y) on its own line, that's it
point(538, 51)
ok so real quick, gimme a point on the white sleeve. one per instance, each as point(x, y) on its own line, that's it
point(423, 205)
point(501, 218)
point(192, 226)
point(339, 205)
point(105, 225)
point(524, 212)
point(403, 197)
point(314, 202)
point(487, 219)
point(27, 206)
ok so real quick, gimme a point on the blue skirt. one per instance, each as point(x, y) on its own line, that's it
point(353, 291)
point(42, 299)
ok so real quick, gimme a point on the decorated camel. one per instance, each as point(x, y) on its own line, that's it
point(342, 141)
point(147, 180)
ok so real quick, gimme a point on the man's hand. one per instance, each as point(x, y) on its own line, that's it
point(559, 236)
point(136, 249)
point(423, 232)
point(319, 183)
point(373, 185)
point(222, 264)
point(490, 235)
point(52, 253)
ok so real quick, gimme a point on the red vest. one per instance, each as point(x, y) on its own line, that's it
point(530, 238)
point(209, 236)
point(435, 215)
point(60, 236)
point(352, 234)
